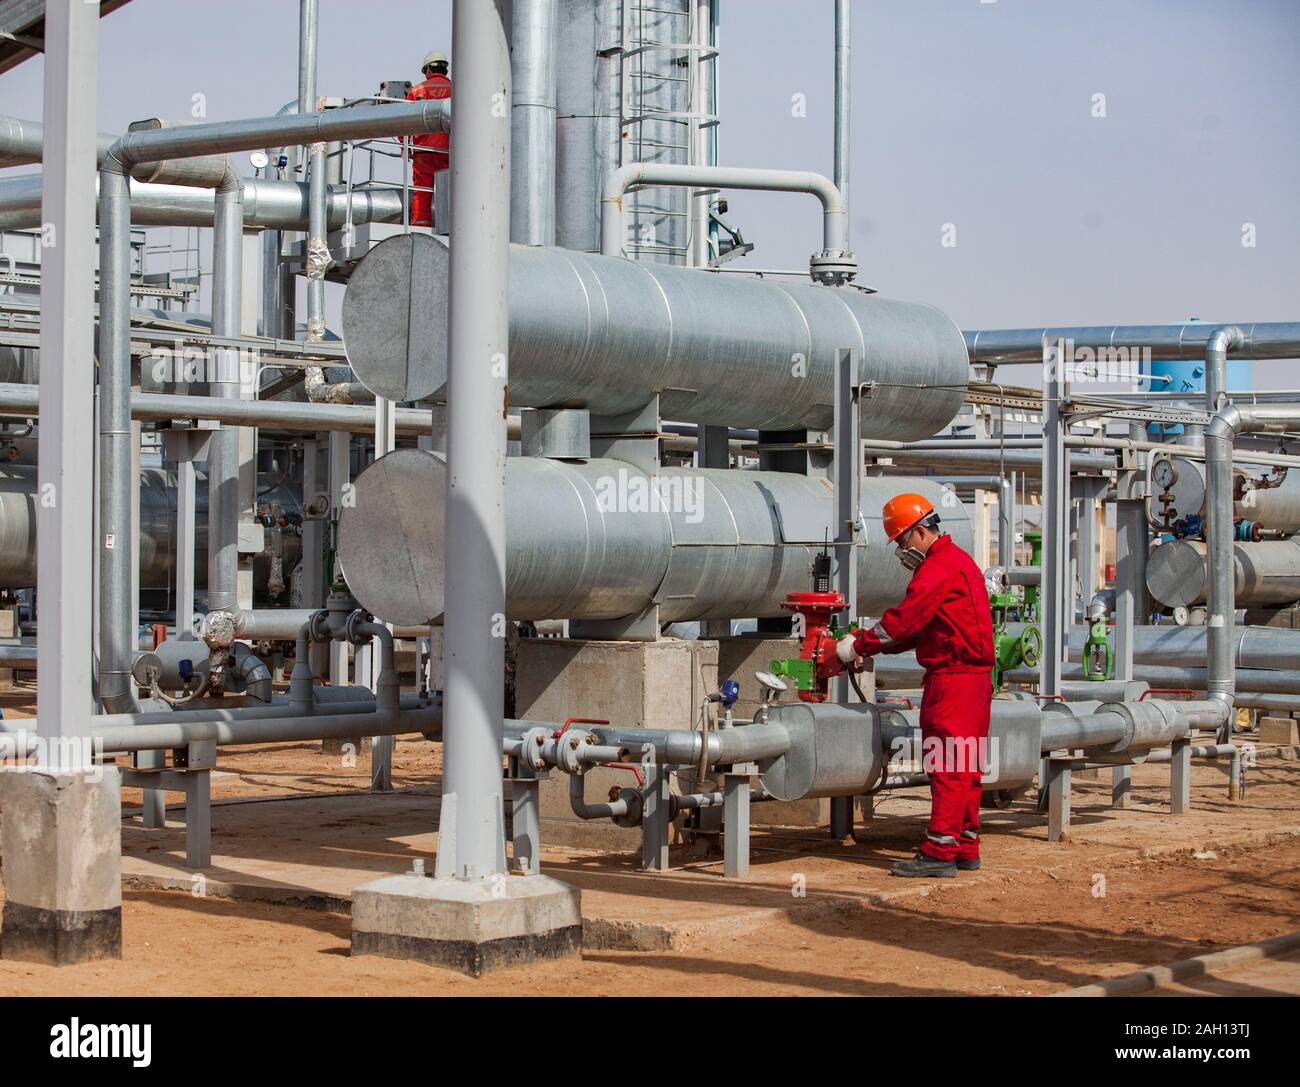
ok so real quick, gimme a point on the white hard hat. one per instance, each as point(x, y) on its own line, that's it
point(434, 58)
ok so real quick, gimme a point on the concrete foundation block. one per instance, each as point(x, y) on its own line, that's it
point(1283, 731)
point(471, 926)
point(358, 746)
point(638, 684)
point(61, 844)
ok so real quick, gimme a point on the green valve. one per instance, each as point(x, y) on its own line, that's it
point(1098, 656)
point(800, 671)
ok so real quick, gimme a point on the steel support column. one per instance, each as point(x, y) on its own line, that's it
point(471, 842)
point(66, 442)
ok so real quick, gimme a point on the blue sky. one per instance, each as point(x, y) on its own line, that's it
point(976, 114)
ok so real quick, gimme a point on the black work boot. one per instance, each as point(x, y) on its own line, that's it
point(923, 866)
point(968, 865)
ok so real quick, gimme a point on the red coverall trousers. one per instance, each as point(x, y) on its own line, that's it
point(945, 617)
point(428, 152)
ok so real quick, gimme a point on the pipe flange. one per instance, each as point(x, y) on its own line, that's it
point(354, 620)
point(568, 751)
point(833, 267)
point(633, 799)
point(318, 626)
point(530, 750)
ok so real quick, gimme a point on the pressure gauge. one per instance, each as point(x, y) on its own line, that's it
point(259, 159)
point(1163, 473)
point(771, 682)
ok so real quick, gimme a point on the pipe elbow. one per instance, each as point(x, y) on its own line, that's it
point(231, 182)
point(1228, 338)
point(117, 160)
point(1225, 424)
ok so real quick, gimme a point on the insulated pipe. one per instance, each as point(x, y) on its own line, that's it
point(22, 401)
point(1271, 340)
point(478, 334)
point(224, 137)
point(1175, 646)
point(308, 23)
point(613, 230)
point(116, 475)
point(276, 205)
point(532, 160)
point(223, 453)
point(843, 104)
point(23, 142)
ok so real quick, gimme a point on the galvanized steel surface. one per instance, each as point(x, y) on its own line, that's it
point(600, 539)
point(1267, 573)
point(608, 334)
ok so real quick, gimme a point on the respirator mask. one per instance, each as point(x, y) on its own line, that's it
point(910, 557)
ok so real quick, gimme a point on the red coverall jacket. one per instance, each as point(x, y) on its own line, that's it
point(945, 617)
point(429, 152)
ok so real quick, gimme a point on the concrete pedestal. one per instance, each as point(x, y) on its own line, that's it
point(61, 845)
point(1284, 731)
point(473, 927)
point(656, 684)
point(636, 684)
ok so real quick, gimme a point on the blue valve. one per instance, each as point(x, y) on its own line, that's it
point(186, 669)
point(730, 692)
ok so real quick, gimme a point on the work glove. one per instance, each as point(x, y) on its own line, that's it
point(846, 648)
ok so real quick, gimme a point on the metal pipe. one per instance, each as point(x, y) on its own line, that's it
point(224, 137)
point(1264, 340)
point(22, 401)
point(478, 332)
point(532, 161)
point(116, 641)
point(271, 204)
point(223, 454)
point(308, 24)
point(843, 104)
point(601, 810)
point(682, 747)
point(613, 231)
point(23, 142)
point(1210, 751)
point(702, 71)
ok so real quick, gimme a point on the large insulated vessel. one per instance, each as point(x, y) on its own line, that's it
point(608, 334)
point(1267, 573)
point(157, 530)
point(602, 539)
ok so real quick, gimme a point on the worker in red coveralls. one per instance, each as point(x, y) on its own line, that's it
point(429, 150)
point(945, 617)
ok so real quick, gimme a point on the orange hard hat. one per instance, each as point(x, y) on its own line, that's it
point(904, 511)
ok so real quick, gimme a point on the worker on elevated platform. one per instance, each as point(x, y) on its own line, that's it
point(429, 151)
point(945, 617)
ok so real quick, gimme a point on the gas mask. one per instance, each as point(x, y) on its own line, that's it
point(910, 557)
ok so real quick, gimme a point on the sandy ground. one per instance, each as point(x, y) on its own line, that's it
point(1038, 918)
point(1027, 933)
